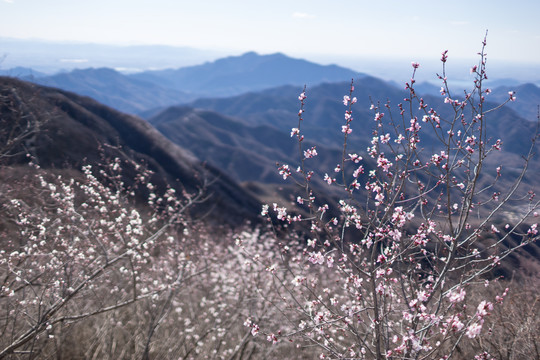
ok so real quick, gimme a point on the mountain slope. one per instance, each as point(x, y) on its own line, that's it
point(527, 99)
point(246, 153)
point(324, 113)
point(75, 131)
point(115, 89)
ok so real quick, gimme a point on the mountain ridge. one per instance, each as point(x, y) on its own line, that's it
point(248, 72)
point(114, 89)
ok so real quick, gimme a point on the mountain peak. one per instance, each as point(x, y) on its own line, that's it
point(249, 54)
point(248, 72)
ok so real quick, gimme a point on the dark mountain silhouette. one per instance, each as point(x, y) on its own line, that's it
point(115, 89)
point(249, 72)
point(76, 130)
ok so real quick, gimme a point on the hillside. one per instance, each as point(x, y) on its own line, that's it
point(115, 89)
point(244, 152)
point(75, 131)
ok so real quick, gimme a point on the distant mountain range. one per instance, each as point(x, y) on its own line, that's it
point(147, 92)
point(278, 107)
point(249, 72)
point(115, 89)
point(136, 93)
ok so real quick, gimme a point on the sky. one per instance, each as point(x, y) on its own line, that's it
point(332, 30)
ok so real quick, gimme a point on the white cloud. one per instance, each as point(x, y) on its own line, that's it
point(9, 1)
point(301, 15)
point(74, 61)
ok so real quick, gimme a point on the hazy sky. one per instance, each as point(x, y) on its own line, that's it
point(301, 28)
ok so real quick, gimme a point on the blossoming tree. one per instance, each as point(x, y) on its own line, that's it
point(393, 275)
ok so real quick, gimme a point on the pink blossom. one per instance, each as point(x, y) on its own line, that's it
point(444, 56)
point(316, 258)
point(358, 171)
point(455, 324)
point(474, 330)
point(383, 163)
point(483, 309)
point(533, 230)
point(330, 261)
point(346, 129)
point(457, 295)
point(310, 153)
point(272, 338)
point(355, 158)
point(399, 139)
point(422, 296)
point(281, 212)
point(385, 138)
point(284, 171)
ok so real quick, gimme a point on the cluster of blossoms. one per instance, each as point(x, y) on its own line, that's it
point(399, 245)
point(79, 239)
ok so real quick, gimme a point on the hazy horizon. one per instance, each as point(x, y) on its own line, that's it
point(152, 57)
point(381, 38)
